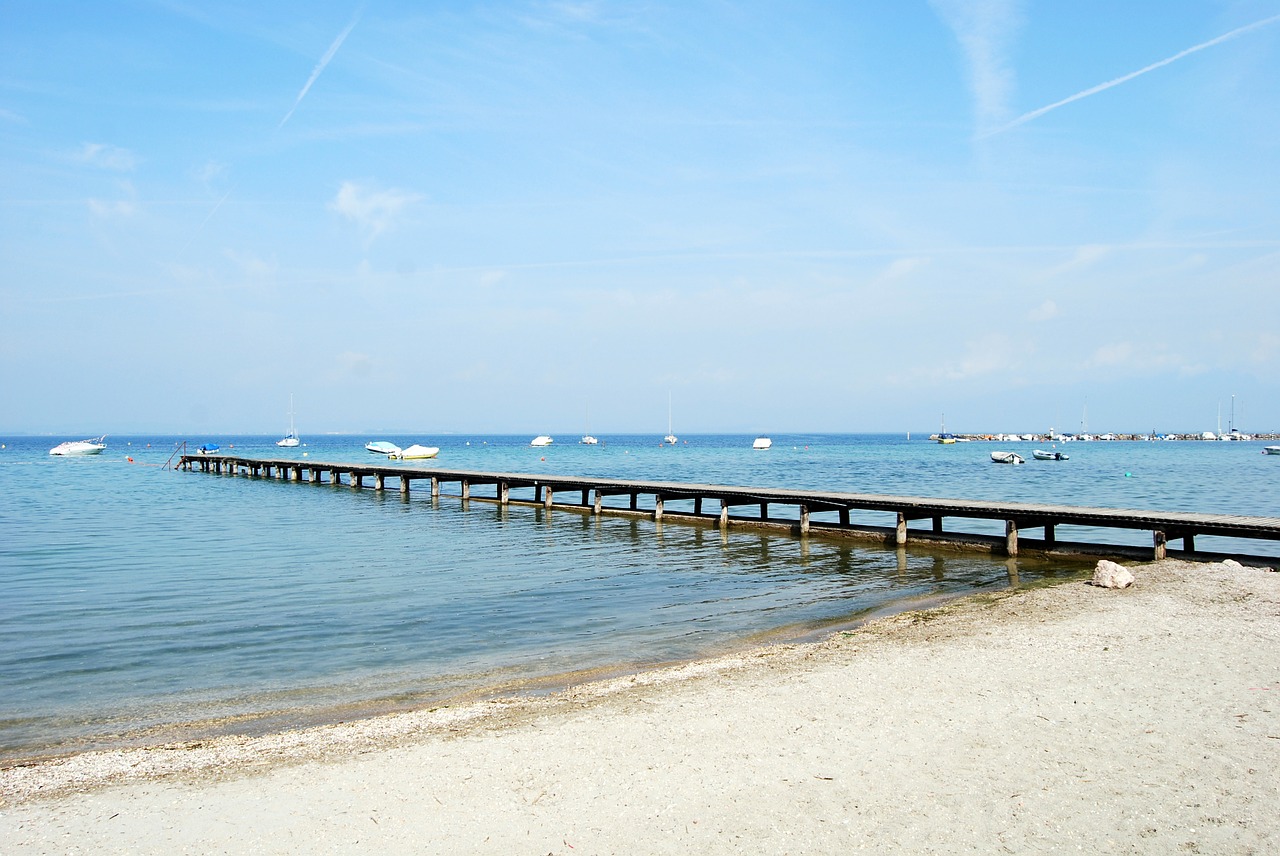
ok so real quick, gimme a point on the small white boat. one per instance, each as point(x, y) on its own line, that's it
point(1271, 450)
point(73, 448)
point(291, 439)
point(1042, 455)
point(762, 443)
point(670, 439)
point(208, 449)
point(588, 440)
point(416, 452)
point(382, 447)
point(541, 440)
point(1006, 458)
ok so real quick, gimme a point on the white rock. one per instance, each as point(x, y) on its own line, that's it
point(1232, 563)
point(1111, 575)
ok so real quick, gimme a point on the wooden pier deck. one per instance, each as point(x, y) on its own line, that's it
point(836, 509)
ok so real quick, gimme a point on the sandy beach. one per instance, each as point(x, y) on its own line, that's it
point(1143, 720)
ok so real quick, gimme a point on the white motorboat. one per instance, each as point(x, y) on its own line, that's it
point(382, 447)
point(291, 439)
point(416, 452)
point(73, 448)
point(1042, 455)
point(588, 440)
point(1271, 450)
point(541, 440)
point(208, 449)
point(762, 443)
point(1006, 458)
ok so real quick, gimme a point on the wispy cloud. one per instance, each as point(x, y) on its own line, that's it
point(126, 207)
point(106, 157)
point(372, 210)
point(1102, 87)
point(320, 66)
point(1044, 312)
point(984, 29)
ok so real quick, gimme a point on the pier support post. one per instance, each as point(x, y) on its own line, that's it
point(1011, 537)
point(466, 490)
point(435, 487)
point(504, 493)
point(586, 496)
point(900, 537)
point(937, 525)
point(764, 511)
point(724, 514)
point(379, 481)
point(697, 505)
point(1189, 542)
point(599, 500)
point(634, 503)
point(657, 506)
point(844, 517)
point(1050, 535)
point(404, 485)
point(1161, 544)
point(804, 520)
point(357, 481)
point(547, 495)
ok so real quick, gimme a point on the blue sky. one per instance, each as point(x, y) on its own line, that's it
point(497, 217)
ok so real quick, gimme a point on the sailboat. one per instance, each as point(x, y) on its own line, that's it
point(944, 437)
point(670, 439)
point(291, 439)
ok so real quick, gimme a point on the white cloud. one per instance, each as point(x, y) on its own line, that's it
point(1044, 312)
point(372, 210)
point(901, 268)
point(106, 157)
point(252, 266)
point(126, 207)
point(351, 364)
point(984, 29)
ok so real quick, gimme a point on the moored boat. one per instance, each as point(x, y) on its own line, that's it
point(208, 449)
point(1042, 455)
point(291, 439)
point(1006, 458)
point(382, 447)
point(75, 448)
point(416, 452)
point(541, 440)
point(762, 443)
point(1271, 450)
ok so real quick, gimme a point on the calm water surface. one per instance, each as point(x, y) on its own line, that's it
point(134, 598)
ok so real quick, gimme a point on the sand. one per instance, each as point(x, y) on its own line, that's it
point(1144, 720)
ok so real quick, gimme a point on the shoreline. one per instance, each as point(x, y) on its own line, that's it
point(1139, 720)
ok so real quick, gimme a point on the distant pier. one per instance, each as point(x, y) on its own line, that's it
point(724, 506)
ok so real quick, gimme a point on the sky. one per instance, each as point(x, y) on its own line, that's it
point(539, 217)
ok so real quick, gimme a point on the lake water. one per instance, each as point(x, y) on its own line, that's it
point(139, 603)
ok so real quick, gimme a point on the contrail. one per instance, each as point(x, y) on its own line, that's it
point(1035, 114)
point(205, 222)
point(320, 66)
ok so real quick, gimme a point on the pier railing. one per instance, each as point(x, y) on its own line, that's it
point(723, 505)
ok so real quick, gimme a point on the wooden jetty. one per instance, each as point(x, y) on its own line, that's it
point(712, 504)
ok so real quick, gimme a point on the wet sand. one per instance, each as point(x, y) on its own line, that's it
point(1145, 720)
